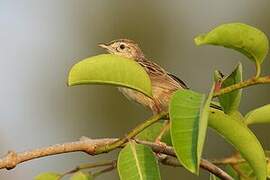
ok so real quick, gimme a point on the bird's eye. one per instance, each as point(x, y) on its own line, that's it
point(122, 46)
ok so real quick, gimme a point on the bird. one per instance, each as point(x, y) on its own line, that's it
point(164, 84)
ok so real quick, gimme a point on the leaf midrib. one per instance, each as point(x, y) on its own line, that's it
point(133, 149)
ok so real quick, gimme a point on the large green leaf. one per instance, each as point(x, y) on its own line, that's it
point(110, 69)
point(48, 176)
point(237, 133)
point(244, 38)
point(259, 115)
point(230, 102)
point(189, 114)
point(137, 162)
point(153, 131)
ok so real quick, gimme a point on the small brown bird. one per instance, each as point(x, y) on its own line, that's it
point(163, 83)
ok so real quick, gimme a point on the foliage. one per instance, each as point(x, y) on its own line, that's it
point(115, 70)
point(190, 112)
point(137, 161)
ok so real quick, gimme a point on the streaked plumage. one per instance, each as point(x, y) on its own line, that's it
point(163, 83)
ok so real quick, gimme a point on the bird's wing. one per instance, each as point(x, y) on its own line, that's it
point(182, 83)
point(151, 67)
point(157, 73)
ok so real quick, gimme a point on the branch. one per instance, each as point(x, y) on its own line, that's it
point(131, 134)
point(89, 146)
point(84, 145)
point(243, 84)
point(108, 169)
point(204, 164)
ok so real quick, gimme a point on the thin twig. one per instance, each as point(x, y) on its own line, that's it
point(204, 164)
point(228, 160)
point(108, 169)
point(164, 129)
point(243, 84)
point(131, 134)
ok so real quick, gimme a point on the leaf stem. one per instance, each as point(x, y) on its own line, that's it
point(243, 84)
point(258, 69)
point(131, 134)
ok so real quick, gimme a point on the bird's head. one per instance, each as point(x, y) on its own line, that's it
point(123, 47)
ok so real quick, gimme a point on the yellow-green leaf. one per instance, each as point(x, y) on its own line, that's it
point(48, 176)
point(113, 70)
point(242, 138)
point(244, 38)
point(137, 162)
point(259, 115)
point(189, 115)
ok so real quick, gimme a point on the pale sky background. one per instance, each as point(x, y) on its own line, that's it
point(41, 40)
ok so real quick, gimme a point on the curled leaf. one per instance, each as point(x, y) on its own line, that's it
point(244, 38)
point(113, 70)
point(242, 138)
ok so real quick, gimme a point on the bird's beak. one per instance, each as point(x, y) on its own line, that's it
point(108, 48)
point(104, 46)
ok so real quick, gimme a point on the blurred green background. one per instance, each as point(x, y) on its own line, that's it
point(41, 40)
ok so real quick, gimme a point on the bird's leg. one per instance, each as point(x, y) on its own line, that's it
point(166, 126)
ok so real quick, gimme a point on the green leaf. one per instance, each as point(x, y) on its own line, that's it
point(80, 175)
point(189, 114)
point(137, 162)
point(259, 115)
point(246, 39)
point(230, 102)
point(236, 132)
point(153, 131)
point(113, 70)
point(48, 176)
